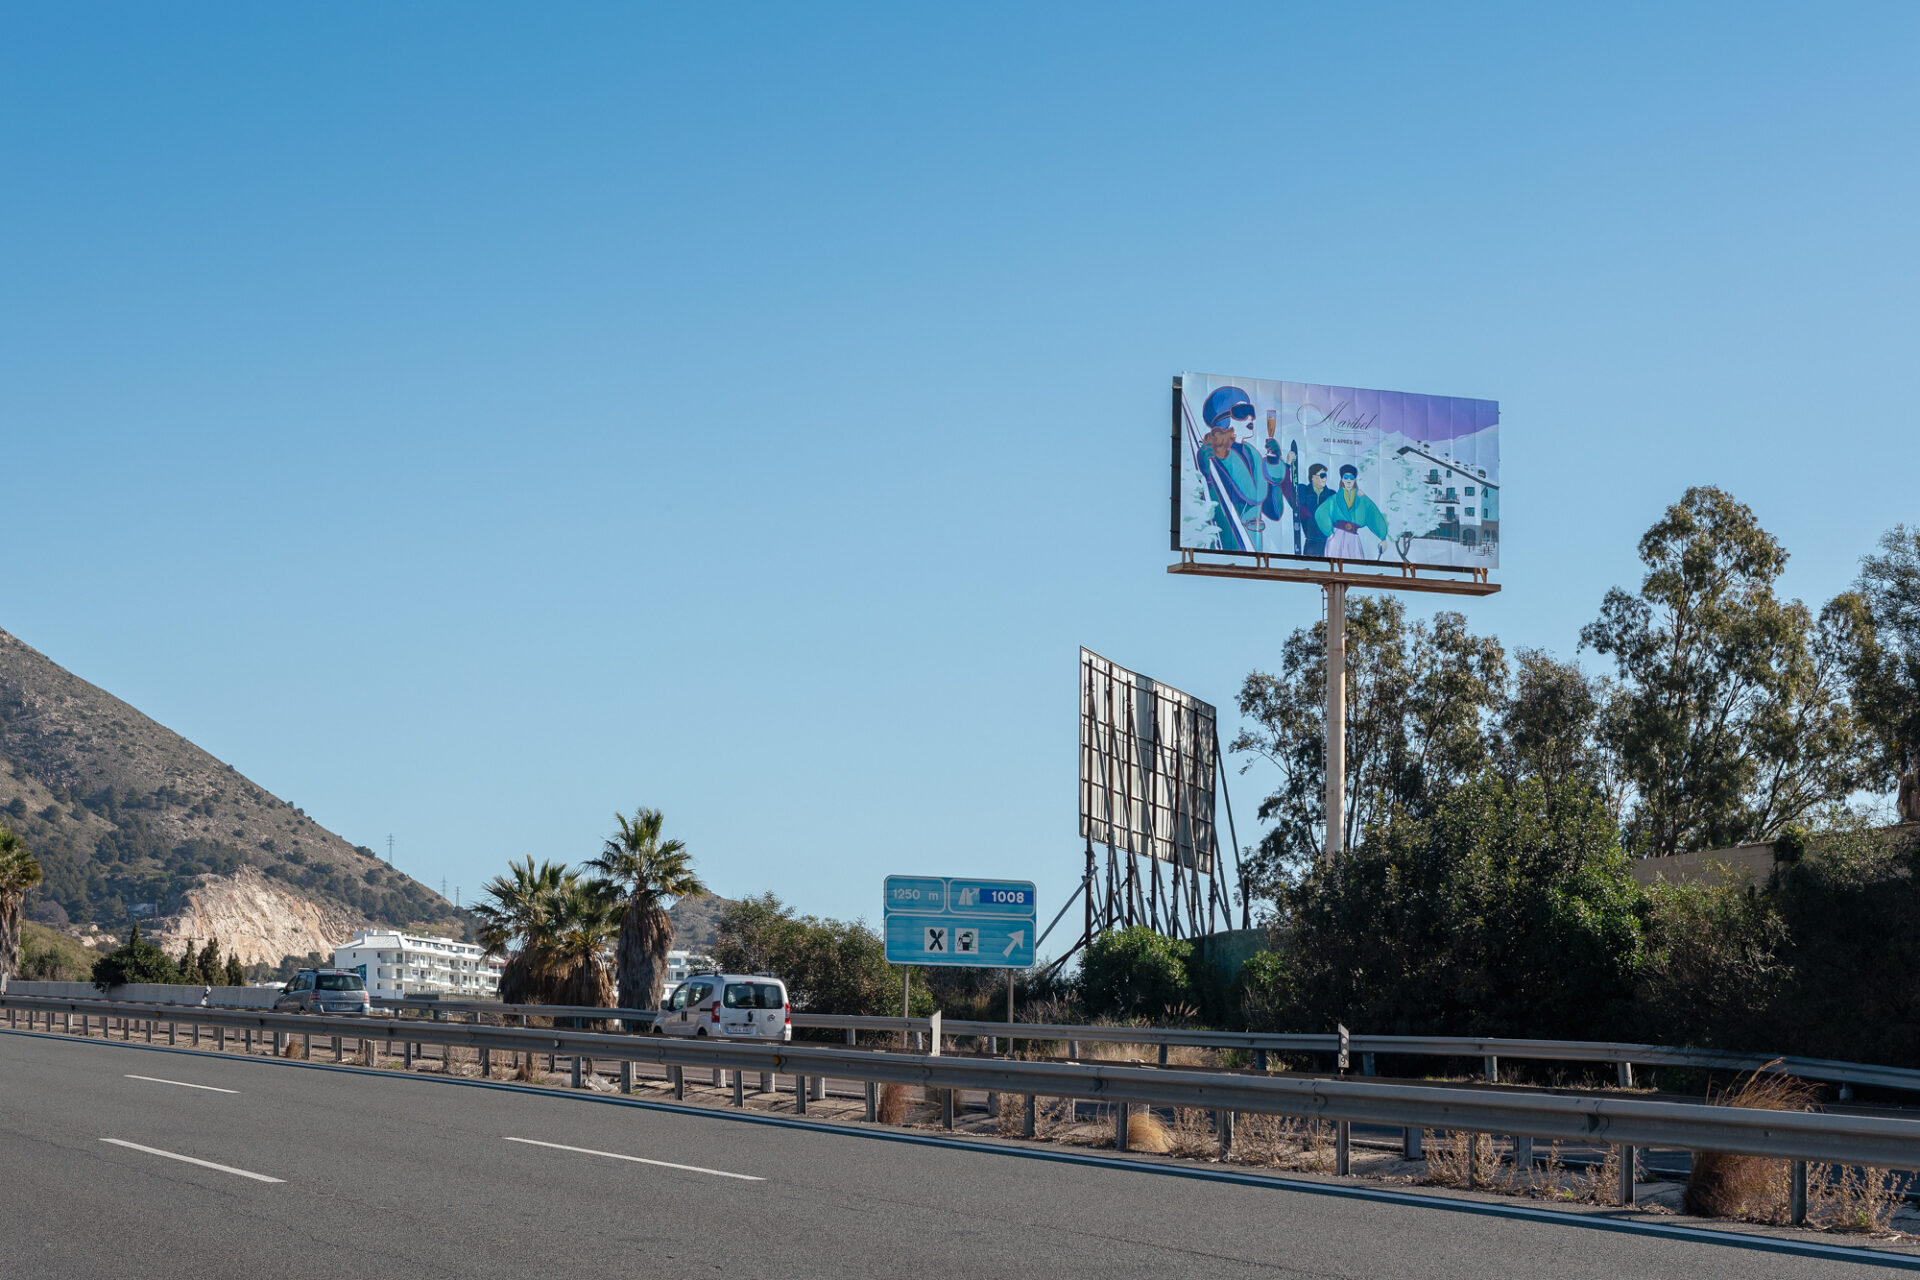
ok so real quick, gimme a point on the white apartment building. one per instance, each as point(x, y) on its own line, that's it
point(398, 964)
point(679, 964)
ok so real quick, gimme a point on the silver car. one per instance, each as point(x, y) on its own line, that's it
point(325, 991)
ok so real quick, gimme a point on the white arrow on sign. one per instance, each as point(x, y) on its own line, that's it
point(1019, 936)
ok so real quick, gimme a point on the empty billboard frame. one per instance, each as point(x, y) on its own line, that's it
point(1149, 769)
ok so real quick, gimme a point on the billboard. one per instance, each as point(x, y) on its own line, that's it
point(1148, 753)
point(1335, 473)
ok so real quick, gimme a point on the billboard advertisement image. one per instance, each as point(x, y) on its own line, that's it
point(1336, 473)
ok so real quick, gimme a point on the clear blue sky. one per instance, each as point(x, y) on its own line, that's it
point(470, 420)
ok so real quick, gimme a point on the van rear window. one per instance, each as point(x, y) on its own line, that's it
point(339, 982)
point(755, 995)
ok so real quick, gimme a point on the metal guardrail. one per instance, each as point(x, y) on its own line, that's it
point(1798, 1136)
point(1489, 1050)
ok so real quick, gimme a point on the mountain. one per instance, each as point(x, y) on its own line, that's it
point(132, 821)
point(696, 923)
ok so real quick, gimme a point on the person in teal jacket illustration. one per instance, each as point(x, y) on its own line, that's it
point(1343, 515)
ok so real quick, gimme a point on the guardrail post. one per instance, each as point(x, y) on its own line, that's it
point(626, 1077)
point(739, 1090)
point(1366, 1064)
point(1492, 1069)
point(196, 1035)
point(336, 1049)
point(1413, 1144)
point(1121, 1112)
point(1522, 1151)
point(170, 1032)
point(853, 1038)
point(220, 1039)
point(1163, 1053)
point(486, 1062)
point(1260, 1061)
point(1029, 1119)
point(1073, 1051)
point(799, 1095)
point(1626, 1175)
point(873, 1101)
point(679, 1075)
point(576, 1071)
point(946, 1108)
point(1223, 1121)
point(1343, 1148)
point(409, 1055)
point(1625, 1074)
point(1797, 1196)
point(719, 1077)
point(819, 1086)
point(766, 1082)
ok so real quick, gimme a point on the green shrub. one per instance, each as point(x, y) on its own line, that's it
point(135, 960)
point(1136, 973)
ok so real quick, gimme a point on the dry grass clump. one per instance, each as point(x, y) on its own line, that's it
point(1265, 1139)
point(894, 1101)
point(1854, 1198)
point(1748, 1188)
point(1192, 1133)
point(1459, 1159)
point(1146, 1133)
point(1600, 1184)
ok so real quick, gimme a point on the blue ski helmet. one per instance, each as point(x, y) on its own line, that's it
point(1227, 402)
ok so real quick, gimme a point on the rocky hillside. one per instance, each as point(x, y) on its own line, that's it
point(130, 820)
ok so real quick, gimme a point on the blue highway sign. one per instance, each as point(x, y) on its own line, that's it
point(977, 923)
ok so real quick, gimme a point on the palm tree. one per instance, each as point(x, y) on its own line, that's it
point(19, 872)
point(644, 872)
point(517, 922)
point(585, 920)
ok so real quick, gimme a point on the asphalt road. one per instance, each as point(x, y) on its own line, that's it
point(323, 1173)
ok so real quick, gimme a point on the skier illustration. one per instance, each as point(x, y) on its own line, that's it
point(1307, 538)
point(1236, 476)
point(1342, 515)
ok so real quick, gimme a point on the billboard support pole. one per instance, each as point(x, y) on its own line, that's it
point(1336, 718)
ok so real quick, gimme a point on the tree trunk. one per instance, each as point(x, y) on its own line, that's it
point(590, 984)
point(10, 934)
point(1909, 801)
point(646, 935)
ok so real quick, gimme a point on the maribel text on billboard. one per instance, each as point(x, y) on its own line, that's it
point(1336, 473)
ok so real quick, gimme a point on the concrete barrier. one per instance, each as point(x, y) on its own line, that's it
point(151, 993)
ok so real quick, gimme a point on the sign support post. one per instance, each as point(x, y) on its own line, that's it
point(1336, 719)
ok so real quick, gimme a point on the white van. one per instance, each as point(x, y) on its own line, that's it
point(738, 1006)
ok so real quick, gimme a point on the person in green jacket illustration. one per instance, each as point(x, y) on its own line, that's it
point(1343, 515)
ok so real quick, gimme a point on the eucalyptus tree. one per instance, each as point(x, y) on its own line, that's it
point(645, 874)
point(1884, 610)
point(1731, 718)
point(1419, 705)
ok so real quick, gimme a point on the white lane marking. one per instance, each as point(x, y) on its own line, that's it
point(204, 1164)
point(182, 1083)
point(615, 1155)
